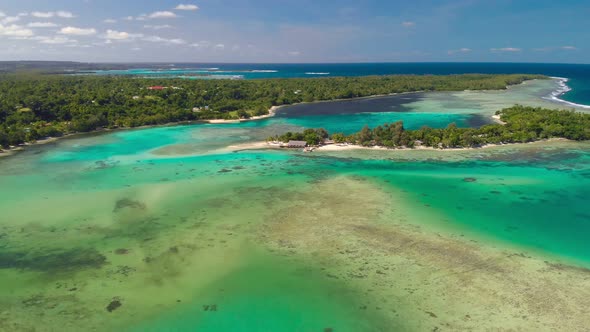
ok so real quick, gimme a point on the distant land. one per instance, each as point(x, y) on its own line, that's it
point(61, 66)
point(573, 91)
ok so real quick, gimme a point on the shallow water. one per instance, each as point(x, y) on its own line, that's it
point(163, 229)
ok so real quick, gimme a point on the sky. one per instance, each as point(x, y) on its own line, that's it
point(295, 31)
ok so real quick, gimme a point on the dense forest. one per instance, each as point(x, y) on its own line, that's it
point(521, 125)
point(34, 106)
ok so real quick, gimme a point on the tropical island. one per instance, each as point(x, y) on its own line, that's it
point(519, 124)
point(34, 105)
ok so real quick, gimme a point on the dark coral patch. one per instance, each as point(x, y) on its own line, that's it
point(128, 203)
point(121, 251)
point(53, 261)
point(114, 305)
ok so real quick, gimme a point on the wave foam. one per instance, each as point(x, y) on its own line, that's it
point(563, 88)
point(263, 71)
point(312, 73)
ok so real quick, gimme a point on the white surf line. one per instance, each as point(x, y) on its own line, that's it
point(561, 90)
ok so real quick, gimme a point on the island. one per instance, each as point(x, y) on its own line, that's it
point(518, 124)
point(35, 106)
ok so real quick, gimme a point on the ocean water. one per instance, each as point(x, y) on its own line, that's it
point(578, 74)
point(173, 229)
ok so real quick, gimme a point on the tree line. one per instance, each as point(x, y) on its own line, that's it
point(35, 106)
point(521, 124)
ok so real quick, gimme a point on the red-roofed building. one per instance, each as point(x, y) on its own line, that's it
point(157, 87)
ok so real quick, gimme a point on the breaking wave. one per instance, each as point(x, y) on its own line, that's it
point(563, 88)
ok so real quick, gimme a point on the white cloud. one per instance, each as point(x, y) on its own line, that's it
point(10, 19)
point(201, 44)
point(120, 35)
point(294, 53)
point(42, 25)
point(43, 14)
point(551, 49)
point(186, 7)
point(57, 40)
point(64, 14)
point(158, 27)
point(461, 50)
point(157, 39)
point(109, 21)
point(77, 31)
point(162, 14)
point(219, 46)
point(506, 49)
point(2, 14)
point(59, 13)
point(15, 31)
point(154, 15)
point(408, 24)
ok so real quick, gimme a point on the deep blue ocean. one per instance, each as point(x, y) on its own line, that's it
point(578, 75)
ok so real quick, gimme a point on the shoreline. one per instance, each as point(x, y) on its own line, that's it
point(497, 119)
point(22, 147)
point(348, 147)
point(338, 147)
point(271, 113)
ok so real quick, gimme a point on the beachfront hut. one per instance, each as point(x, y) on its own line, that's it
point(296, 144)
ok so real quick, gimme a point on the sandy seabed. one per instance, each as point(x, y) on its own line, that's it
point(431, 279)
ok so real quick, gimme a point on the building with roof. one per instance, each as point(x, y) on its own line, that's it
point(297, 144)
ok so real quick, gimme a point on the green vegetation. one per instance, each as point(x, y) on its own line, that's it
point(34, 106)
point(310, 136)
point(521, 125)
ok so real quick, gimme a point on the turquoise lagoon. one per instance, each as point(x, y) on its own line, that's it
point(168, 229)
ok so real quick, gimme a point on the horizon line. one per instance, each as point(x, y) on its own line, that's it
point(300, 63)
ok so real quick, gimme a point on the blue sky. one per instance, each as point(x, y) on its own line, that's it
point(295, 30)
